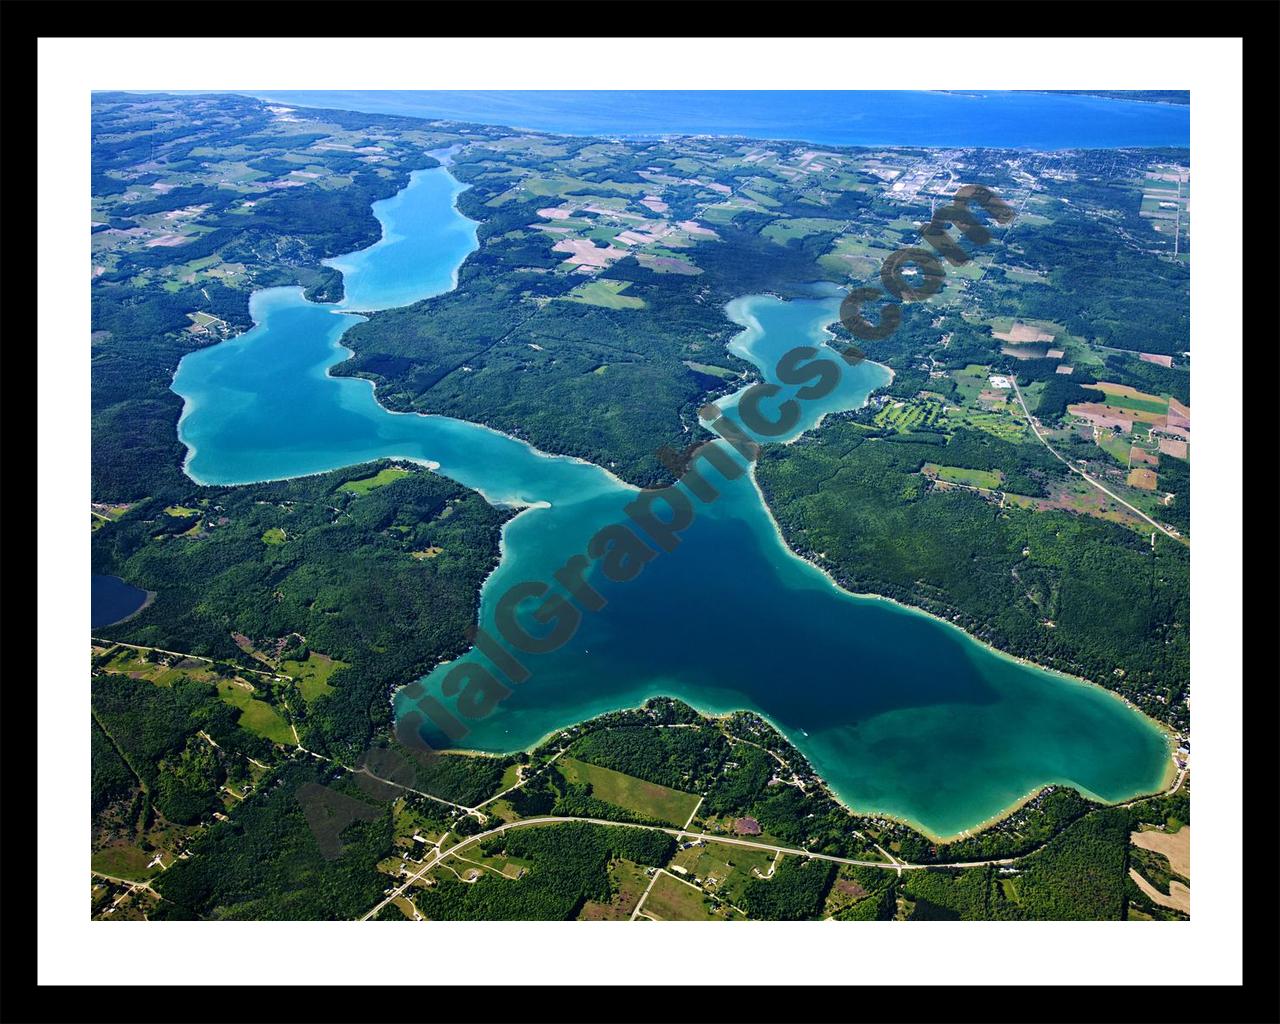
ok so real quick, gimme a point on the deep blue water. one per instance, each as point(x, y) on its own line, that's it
point(1014, 120)
point(112, 599)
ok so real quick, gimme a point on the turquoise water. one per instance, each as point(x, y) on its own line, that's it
point(423, 243)
point(901, 713)
point(1013, 120)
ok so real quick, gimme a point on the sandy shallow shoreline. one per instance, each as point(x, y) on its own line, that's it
point(1166, 786)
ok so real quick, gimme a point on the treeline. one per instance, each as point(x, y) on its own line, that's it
point(1079, 876)
point(942, 895)
point(460, 778)
point(1040, 819)
point(110, 778)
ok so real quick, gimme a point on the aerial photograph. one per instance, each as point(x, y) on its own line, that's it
point(640, 506)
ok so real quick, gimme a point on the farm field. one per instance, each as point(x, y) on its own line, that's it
point(1023, 332)
point(988, 478)
point(1141, 478)
point(673, 900)
point(1121, 397)
point(1174, 846)
point(783, 231)
point(643, 798)
point(255, 715)
point(607, 294)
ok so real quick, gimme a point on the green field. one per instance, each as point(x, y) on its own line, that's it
point(1155, 405)
point(1115, 445)
point(628, 881)
point(605, 293)
point(275, 535)
point(380, 479)
point(124, 860)
point(644, 798)
point(126, 661)
point(714, 371)
point(257, 716)
point(783, 231)
point(312, 675)
point(990, 479)
point(673, 900)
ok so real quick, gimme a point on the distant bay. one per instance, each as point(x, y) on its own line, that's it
point(1007, 120)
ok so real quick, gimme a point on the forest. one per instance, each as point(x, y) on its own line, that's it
point(569, 866)
point(1080, 875)
point(796, 891)
point(345, 580)
point(264, 863)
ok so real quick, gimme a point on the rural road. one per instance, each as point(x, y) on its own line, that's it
point(891, 865)
point(1079, 472)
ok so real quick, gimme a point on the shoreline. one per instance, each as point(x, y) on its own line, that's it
point(147, 602)
point(971, 831)
point(1169, 732)
point(756, 136)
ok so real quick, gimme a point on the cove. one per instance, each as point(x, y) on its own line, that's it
point(112, 600)
point(901, 713)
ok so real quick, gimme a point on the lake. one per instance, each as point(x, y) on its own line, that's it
point(901, 713)
point(1013, 120)
point(111, 599)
